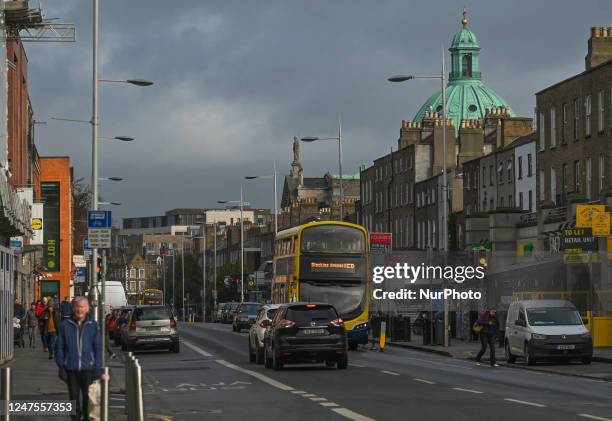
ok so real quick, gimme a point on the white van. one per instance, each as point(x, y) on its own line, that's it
point(546, 329)
point(114, 297)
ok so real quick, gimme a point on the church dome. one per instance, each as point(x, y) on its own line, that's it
point(467, 98)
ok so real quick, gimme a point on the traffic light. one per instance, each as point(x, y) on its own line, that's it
point(99, 269)
point(482, 257)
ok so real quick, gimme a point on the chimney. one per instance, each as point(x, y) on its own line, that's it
point(600, 46)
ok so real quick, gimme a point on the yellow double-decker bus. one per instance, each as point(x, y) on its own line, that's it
point(151, 296)
point(325, 262)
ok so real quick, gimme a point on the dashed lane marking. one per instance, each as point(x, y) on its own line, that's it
point(258, 376)
point(389, 372)
point(329, 404)
point(197, 349)
point(467, 390)
point(309, 395)
point(351, 415)
point(318, 399)
point(298, 392)
point(538, 405)
point(357, 365)
point(594, 417)
point(424, 381)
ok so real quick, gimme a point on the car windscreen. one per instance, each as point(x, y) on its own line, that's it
point(271, 313)
point(332, 239)
point(151, 313)
point(250, 308)
point(303, 316)
point(553, 316)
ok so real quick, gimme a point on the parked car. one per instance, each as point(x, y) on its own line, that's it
point(230, 311)
point(218, 314)
point(546, 329)
point(245, 316)
point(305, 332)
point(121, 319)
point(152, 326)
point(257, 331)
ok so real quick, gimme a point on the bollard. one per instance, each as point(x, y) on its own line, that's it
point(128, 388)
point(383, 334)
point(138, 393)
point(6, 391)
point(104, 395)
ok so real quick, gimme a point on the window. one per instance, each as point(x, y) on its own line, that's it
point(491, 204)
point(510, 170)
point(484, 176)
point(521, 200)
point(542, 186)
point(529, 166)
point(553, 127)
point(553, 185)
point(541, 127)
point(576, 119)
point(510, 203)
point(467, 65)
point(133, 273)
point(600, 113)
point(141, 285)
point(141, 273)
point(564, 177)
point(563, 121)
point(500, 171)
point(587, 116)
point(601, 168)
point(577, 176)
point(132, 285)
point(490, 175)
point(589, 176)
point(520, 167)
point(501, 202)
point(530, 202)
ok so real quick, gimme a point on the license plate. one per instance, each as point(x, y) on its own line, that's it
point(566, 346)
point(153, 328)
point(314, 331)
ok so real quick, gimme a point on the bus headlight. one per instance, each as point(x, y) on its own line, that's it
point(361, 326)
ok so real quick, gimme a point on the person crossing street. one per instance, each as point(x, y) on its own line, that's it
point(489, 329)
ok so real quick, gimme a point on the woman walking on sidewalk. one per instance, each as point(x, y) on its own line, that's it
point(31, 321)
point(40, 311)
point(51, 326)
point(489, 328)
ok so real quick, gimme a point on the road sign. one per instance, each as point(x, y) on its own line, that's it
point(380, 242)
point(99, 219)
point(578, 240)
point(584, 214)
point(601, 224)
point(86, 244)
point(99, 238)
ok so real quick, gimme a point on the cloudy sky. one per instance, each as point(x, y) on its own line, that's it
point(235, 80)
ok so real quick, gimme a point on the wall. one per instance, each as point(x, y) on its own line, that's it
point(57, 169)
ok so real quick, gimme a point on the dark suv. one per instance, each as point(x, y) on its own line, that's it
point(245, 316)
point(305, 332)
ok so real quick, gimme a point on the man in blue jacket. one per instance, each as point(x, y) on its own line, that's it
point(66, 309)
point(79, 355)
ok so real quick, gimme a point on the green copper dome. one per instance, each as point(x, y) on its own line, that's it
point(467, 98)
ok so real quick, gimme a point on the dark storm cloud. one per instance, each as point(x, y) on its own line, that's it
point(235, 80)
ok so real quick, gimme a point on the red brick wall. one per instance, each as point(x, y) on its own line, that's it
point(18, 117)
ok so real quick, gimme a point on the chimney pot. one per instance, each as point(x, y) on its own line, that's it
point(594, 32)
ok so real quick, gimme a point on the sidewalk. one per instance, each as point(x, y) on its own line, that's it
point(35, 377)
point(464, 349)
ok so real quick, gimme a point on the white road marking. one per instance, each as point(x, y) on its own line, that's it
point(298, 392)
point(467, 390)
point(309, 395)
point(117, 407)
point(328, 404)
point(318, 399)
point(117, 399)
point(424, 381)
point(389, 372)
point(357, 365)
point(351, 415)
point(594, 417)
point(539, 405)
point(258, 376)
point(197, 349)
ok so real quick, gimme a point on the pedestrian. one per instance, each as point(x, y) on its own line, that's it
point(18, 310)
point(79, 355)
point(40, 310)
point(66, 309)
point(489, 329)
point(31, 321)
point(51, 326)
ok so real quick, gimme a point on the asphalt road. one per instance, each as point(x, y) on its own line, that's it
point(211, 378)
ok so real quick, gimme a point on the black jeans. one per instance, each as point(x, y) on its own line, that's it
point(487, 339)
point(78, 390)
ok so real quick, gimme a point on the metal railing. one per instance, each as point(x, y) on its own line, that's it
point(134, 404)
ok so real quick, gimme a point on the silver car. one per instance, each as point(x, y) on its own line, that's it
point(257, 330)
point(152, 327)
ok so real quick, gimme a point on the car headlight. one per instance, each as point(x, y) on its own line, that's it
point(537, 336)
point(586, 335)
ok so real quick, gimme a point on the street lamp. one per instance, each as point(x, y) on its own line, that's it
point(109, 203)
point(241, 202)
point(442, 79)
point(339, 139)
point(110, 179)
point(268, 177)
point(136, 82)
point(121, 138)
